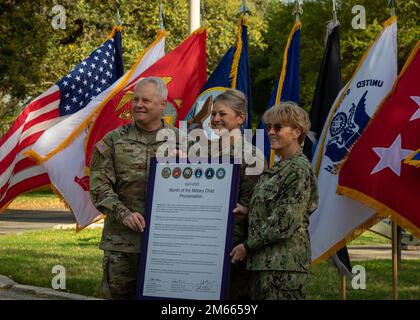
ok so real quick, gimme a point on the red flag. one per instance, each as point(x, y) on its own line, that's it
point(184, 72)
point(376, 172)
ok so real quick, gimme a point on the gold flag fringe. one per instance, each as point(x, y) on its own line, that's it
point(243, 21)
point(115, 29)
point(382, 209)
point(295, 28)
point(58, 194)
point(386, 24)
point(351, 236)
point(410, 160)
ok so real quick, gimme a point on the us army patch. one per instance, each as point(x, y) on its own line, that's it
point(102, 147)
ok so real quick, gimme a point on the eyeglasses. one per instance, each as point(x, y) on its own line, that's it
point(276, 127)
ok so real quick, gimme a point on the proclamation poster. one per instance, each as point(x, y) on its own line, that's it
point(188, 235)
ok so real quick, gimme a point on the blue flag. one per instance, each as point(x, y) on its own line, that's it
point(93, 75)
point(287, 87)
point(232, 72)
point(414, 159)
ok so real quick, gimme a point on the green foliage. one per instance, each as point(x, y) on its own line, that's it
point(19, 56)
point(33, 55)
point(266, 62)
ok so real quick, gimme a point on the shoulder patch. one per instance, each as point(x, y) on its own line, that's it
point(102, 147)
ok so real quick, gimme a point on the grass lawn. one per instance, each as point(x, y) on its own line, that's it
point(28, 258)
point(325, 283)
point(369, 238)
point(42, 199)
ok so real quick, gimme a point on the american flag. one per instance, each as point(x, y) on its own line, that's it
point(73, 92)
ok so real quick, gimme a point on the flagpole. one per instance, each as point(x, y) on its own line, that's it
point(342, 275)
point(244, 8)
point(399, 246)
point(392, 4)
point(297, 10)
point(203, 15)
point(394, 262)
point(119, 22)
point(194, 15)
point(334, 2)
point(343, 287)
point(161, 25)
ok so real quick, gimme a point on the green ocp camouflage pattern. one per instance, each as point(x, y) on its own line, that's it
point(243, 150)
point(118, 180)
point(240, 279)
point(119, 278)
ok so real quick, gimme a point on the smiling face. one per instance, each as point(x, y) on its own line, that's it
point(147, 106)
point(223, 117)
point(282, 137)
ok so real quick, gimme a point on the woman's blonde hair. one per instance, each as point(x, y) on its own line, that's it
point(235, 100)
point(288, 113)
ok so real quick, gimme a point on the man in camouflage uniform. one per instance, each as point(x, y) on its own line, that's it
point(118, 180)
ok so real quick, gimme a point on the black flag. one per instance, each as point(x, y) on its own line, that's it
point(327, 88)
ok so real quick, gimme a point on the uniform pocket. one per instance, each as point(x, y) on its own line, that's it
point(127, 158)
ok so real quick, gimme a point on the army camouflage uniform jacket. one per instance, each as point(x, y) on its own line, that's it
point(118, 180)
point(246, 185)
point(246, 181)
point(283, 199)
point(240, 278)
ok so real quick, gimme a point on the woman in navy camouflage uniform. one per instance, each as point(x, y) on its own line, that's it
point(277, 249)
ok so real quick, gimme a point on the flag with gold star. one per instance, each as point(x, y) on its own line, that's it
point(377, 172)
point(339, 219)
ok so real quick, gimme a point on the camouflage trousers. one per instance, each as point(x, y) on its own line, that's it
point(278, 285)
point(240, 282)
point(119, 280)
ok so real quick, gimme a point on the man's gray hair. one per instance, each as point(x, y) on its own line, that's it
point(158, 82)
